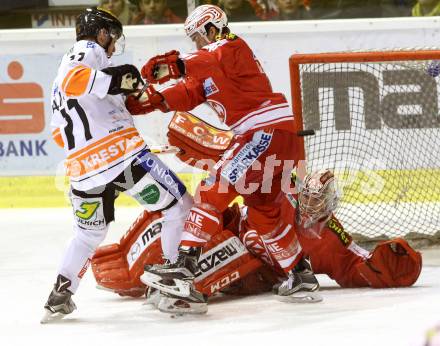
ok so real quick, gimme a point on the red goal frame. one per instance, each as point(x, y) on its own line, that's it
point(296, 60)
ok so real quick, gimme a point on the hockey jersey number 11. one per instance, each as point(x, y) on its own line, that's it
point(95, 129)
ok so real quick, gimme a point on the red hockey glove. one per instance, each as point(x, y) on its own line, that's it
point(118, 267)
point(196, 139)
point(146, 101)
point(393, 263)
point(162, 68)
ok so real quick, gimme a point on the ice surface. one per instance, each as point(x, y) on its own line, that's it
point(32, 241)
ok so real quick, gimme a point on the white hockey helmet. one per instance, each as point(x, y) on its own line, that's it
point(201, 16)
point(318, 197)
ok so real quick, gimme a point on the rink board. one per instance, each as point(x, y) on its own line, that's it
point(358, 188)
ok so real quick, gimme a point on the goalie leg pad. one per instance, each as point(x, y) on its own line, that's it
point(118, 267)
point(393, 263)
point(224, 260)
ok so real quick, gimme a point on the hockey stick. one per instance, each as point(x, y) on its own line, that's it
point(304, 133)
point(164, 149)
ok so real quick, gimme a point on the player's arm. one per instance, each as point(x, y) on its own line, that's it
point(81, 80)
point(79, 77)
point(183, 96)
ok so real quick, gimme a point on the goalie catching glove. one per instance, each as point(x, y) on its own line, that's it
point(146, 101)
point(125, 79)
point(393, 263)
point(162, 68)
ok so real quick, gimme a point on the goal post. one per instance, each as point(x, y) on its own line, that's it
point(377, 126)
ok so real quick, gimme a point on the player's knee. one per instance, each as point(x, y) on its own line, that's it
point(157, 188)
point(264, 219)
point(214, 193)
point(92, 214)
point(203, 221)
point(91, 238)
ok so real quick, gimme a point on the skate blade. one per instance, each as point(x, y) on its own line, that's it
point(178, 307)
point(301, 298)
point(180, 288)
point(50, 316)
point(153, 299)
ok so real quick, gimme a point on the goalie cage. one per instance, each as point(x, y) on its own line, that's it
point(376, 121)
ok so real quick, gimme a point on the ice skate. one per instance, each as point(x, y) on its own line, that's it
point(301, 285)
point(175, 281)
point(60, 303)
point(195, 304)
point(174, 278)
point(152, 297)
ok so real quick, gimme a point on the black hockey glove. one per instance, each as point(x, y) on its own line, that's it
point(125, 79)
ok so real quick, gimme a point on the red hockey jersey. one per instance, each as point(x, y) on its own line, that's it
point(227, 75)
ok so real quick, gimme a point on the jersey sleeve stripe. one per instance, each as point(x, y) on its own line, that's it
point(58, 139)
point(93, 82)
point(69, 74)
point(75, 83)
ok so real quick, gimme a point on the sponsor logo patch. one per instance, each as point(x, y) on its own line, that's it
point(209, 87)
point(219, 256)
point(162, 174)
point(335, 226)
point(246, 156)
point(89, 214)
point(87, 210)
point(219, 109)
point(150, 194)
point(84, 268)
point(144, 240)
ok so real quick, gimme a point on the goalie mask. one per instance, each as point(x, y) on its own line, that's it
point(90, 22)
point(318, 197)
point(196, 23)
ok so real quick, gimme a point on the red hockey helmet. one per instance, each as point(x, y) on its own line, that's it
point(318, 197)
point(201, 16)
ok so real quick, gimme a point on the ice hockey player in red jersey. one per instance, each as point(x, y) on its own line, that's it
point(105, 153)
point(225, 74)
point(250, 269)
point(332, 251)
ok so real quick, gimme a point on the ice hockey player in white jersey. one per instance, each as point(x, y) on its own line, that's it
point(105, 153)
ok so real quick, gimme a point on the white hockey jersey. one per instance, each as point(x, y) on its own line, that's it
point(95, 129)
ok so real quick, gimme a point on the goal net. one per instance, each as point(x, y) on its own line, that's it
point(377, 126)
